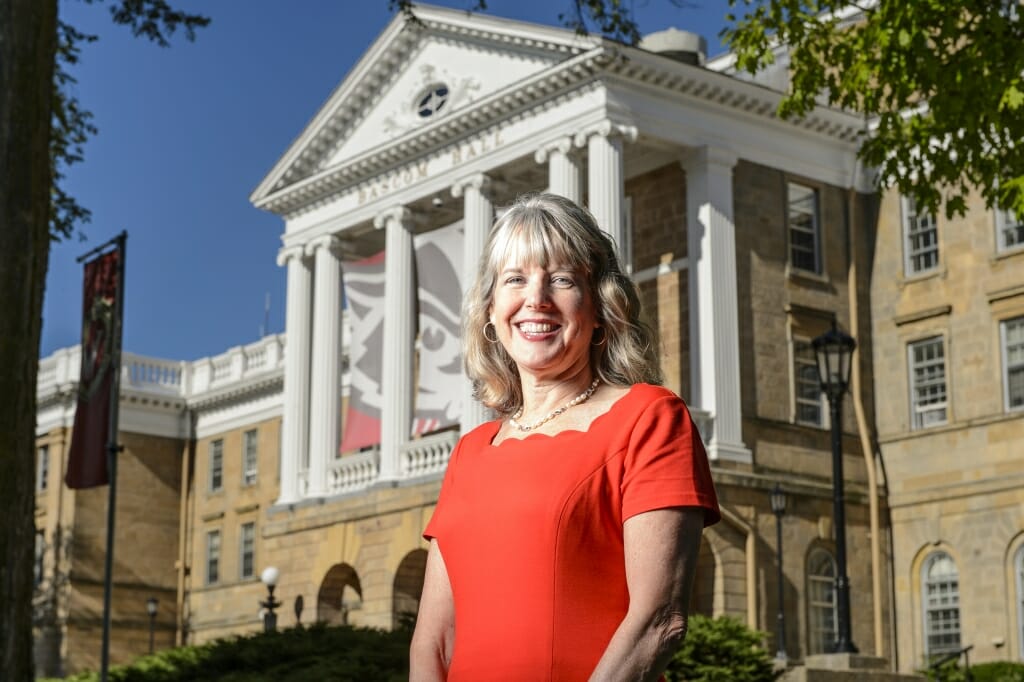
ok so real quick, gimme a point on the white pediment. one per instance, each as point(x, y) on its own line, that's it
point(442, 77)
point(445, 61)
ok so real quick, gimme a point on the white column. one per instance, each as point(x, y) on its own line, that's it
point(399, 337)
point(563, 169)
point(325, 390)
point(295, 421)
point(606, 177)
point(714, 327)
point(478, 217)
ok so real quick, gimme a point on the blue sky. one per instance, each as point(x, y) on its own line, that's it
point(187, 132)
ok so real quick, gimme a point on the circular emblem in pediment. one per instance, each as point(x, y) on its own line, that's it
point(431, 100)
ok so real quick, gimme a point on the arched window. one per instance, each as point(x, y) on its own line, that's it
point(1018, 572)
point(821, 601)
point(940, 595)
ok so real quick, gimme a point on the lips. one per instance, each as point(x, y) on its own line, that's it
point(537, 327)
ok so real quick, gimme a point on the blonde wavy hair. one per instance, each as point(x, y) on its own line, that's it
point(546, 229)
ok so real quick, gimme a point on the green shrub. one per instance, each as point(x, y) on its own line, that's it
point(721, 650)
point(315, 653)
point(995, 671)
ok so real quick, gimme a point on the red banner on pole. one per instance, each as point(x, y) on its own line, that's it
point(101, 329)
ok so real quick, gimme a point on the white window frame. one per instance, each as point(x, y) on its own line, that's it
point(911, 221)
point(213, 553)
point(919, 416)
point(823, 417)
point(815, 230)
point(820, 636)
point(1005, 221)
point(928, 605)
point(250, 457)
point(247, 546)
point(42, 468)
point(1005, 347)
point(216, 473)
point(1018, 572)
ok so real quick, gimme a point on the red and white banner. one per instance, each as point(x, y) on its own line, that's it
point(364, 296)
point(101, 328)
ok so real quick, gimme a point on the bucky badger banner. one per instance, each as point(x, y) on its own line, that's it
point(438, 266)
point(438, 255)
point(364, 295)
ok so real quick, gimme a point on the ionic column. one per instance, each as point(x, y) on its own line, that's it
point(563, 169)
point(714, 327)
point(295, 420)
point(478, 217)
point(399, 337)
point(325, 390)
point(605, 176)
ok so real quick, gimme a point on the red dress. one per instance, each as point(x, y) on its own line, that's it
point(531, 533)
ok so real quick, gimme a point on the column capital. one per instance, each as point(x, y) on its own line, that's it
point(562, 144)
point(325, 241)
point(286, 253)
point(478, 181)
point(402, 214)
point(709, 155)
point(609, 130)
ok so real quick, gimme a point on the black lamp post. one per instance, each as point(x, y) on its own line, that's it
point(151, 605)
point(269, 578)
point(778, 502)
point(834, 350)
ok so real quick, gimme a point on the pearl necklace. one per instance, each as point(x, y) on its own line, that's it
point(582, 397)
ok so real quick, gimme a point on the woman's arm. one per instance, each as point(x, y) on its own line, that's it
point(432, 642)
point(661, 554)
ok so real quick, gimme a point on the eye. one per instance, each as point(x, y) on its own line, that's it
point(563, 281)
point(514, 279)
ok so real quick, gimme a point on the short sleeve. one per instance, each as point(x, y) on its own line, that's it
point(435, 527)
point(666, 464)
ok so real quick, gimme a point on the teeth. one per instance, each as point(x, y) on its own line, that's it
point(536, 327)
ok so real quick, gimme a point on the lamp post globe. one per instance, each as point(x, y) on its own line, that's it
point(833, 351)
point(269, 577)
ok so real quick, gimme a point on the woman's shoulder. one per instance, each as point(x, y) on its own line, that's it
point(642, 395)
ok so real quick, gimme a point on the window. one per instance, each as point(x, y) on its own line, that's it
point(37, 570)
point(821, 601)
point(806, 385)
point(247, 550)
point(1009, 230)
point(1012, 333)
point(212, 557)
point(249, 457)
point(216, 464)
point(804, 228)
point(921, 235)
point(940, 585)
point(927, 383)
point(43, 468)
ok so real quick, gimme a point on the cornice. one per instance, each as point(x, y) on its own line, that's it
point(267, 383)
point(609, 63)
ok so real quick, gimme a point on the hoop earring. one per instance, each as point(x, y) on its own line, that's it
point(495, 339)
point(604, 337)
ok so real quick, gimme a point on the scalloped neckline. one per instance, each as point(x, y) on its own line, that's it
point(565, 432)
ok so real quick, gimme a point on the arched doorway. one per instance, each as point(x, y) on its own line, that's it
point(340, 594)
point(407, 588)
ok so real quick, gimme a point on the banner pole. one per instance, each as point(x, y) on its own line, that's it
point(112, 450)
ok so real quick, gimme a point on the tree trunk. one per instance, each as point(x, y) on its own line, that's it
point(28, 35)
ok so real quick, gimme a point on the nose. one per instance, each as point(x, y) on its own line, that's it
point(537, 294)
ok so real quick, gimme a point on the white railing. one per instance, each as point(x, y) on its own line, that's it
point(150, 374)
point(427, 455)
point(350, 473)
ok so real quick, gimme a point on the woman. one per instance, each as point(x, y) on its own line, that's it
point(566, 533)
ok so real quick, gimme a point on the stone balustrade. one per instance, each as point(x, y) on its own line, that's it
point(427, 455)
point(352, 472)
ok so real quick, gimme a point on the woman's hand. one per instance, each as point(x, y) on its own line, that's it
point(661, 555)
point(432, 642)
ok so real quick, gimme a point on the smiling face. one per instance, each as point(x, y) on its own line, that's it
point(544, 316)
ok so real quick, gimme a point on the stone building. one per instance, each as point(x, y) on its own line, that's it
point(748, 237)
